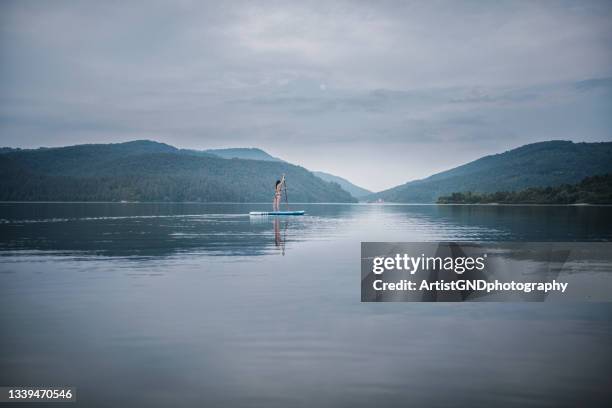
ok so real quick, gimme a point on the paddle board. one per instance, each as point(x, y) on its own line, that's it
point(276, 213)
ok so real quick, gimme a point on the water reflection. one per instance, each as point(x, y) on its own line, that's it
point(190, 305)
point(280, 225)
point(279, 241)
point(158, 230)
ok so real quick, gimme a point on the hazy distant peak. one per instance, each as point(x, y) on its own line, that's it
point(146, 143)
point(250, 153)
point(352, 189)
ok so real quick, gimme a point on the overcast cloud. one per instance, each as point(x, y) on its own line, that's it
point(377, 92)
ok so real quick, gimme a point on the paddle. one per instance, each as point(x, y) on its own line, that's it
point(285, 190)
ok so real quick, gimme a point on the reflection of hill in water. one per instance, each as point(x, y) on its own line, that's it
point(150, 230)
point(143, 235)
point(524, 223)
point(147, 230)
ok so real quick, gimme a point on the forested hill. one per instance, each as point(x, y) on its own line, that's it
point(591, 190)
point(535, 165)
point(151, 171)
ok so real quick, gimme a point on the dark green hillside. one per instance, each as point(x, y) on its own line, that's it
point(534, 165)
point(591, 190)
point(73, 160)
point(149, 171)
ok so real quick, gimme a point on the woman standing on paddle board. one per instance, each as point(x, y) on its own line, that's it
point(278, 193)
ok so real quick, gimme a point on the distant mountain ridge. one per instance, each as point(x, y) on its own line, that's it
point(247, 153)
point(144, 170)
point(539, 164)
point(253, 153)
point(354, 190)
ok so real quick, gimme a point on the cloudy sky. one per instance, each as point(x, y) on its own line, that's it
point(377, 92)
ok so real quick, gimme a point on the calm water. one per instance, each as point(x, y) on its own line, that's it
point(188, 304)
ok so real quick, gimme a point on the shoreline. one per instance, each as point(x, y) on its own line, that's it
point(311, 203)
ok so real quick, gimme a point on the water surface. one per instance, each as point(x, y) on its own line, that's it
point(194, 304)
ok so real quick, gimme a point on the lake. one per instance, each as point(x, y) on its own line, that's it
point(201, 305)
